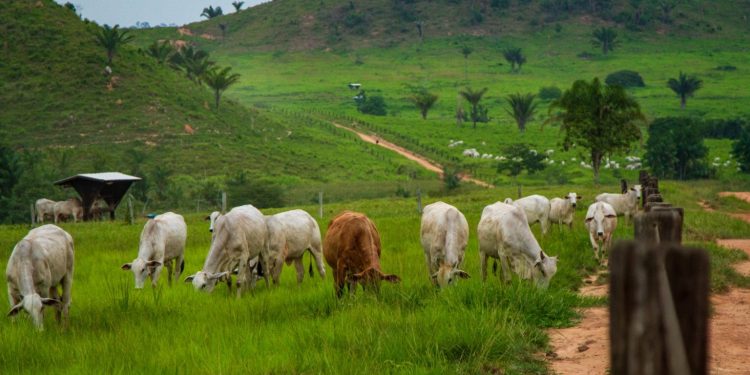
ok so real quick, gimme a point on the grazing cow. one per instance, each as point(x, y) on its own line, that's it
point(561, 210)
point(162, 243)
point(536, 208)
point(504, 234)
point(624, 204)
point(254, 263)
point(601, 221)
point(290, 234)
point(68, 208)
point(352, 249)
point(40, 262)
point(44, 208)
point(239, 236)
point(99, 209)
point(444, 235)
point(211, 218)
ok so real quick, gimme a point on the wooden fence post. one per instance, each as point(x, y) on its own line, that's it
point(320, 204)
point(223, 202)
point(33, 217)
point(130, 209)
point(658, 309)
point(659, 225)
point(419, 201)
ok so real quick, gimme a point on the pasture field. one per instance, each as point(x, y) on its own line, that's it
point(472, 327)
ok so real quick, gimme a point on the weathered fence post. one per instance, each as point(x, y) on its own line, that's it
point(623, 186)
point(659, 225)
point(223, 202)
point(520, 191)
point(130, 209)
point(658, 309)
point(419, 201)
point(33, 218)
point(320, 204)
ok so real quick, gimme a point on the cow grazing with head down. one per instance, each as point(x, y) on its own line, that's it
point(563, 209)
point(290, 235)
point(68, 208)
point(536, 208)
point(162, 243)
point(601, 221)
point(238, 237)
point(624, 204)
point(504, 234)
point(39, 264)
point(352, 249)
point(44, 208)
point(444, 236)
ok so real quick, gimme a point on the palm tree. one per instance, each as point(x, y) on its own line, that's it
point(219, 80)
point(424, 100)
point(684, 86)
point(522, 108)
point(161, 51)
point(237, 5)
point(606, 38)
point(194, 61)
point(212, 12)
point(111, 38)
point(473, 97)
point(515, 57)
point(466, 51)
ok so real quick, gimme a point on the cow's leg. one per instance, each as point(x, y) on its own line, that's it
point(506, 266)
point(483, 265)
point(339, 277)
point(242, 277)
point(179, 265)
point(278, 265)
point(300, 270)
point(54, 293)
point(155, 275)
point(168, 264)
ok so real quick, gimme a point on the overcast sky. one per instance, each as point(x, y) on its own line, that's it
point(128, 12)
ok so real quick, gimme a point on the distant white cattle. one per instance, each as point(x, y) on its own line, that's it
point(624, 204)
point(504, 234)
point(239, 236)
point(44, 208)
point(40, 263)
point(601, 221)
point(290, 235)
point(563, 209)
point(162, 243)
point(68, 208)
point(536, 208)
point(444, 236)
point(355, 86)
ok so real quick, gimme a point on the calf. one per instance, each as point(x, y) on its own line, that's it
point(290, 235)
point(239, 236)
point(504, 234)
point(68, 208)
point(601, 221)
point(444, 236)
point(536, 208)
point(562, 209)
point(624, 204)
point(352, 249)
point(162, 243)
point(44, 208)
point(40, 262)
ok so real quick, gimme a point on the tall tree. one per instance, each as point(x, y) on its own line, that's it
point(466, 51)
point(515, 58)
point(522, 109)
point(219, 80)
point(518, 158)
point(606, 38)
point(193, 61)
point(161, 51)
point(474, 97)
point(684, 86)
point(112, 38)
point(211, 12)
point(237, 5)
point(741, 149)
point(423, 100)
point(675, 149)
point(601, 119)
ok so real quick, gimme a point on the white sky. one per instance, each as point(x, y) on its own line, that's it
point(128, 12)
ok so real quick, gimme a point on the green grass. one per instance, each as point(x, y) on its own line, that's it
point(472, 327)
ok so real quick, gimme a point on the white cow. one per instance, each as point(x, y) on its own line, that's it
point(162, 243)
point(536, 208)
point(504, 234)
point(239, 236)
point(212, 220)
point(444, 236)
point(290, 234)
point(624, 204)
point(44, 208)
point(40, 262)
point(68, 208)
point(561, 210)
point(601, 221)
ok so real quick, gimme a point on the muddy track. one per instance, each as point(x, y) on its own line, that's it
point(421, 160)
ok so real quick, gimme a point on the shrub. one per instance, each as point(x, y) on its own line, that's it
point(723, 128)
point(741, 149)
point(549, 93)
point(261, 193)
point(625, 78)
point(373, 105)
point(675, 149)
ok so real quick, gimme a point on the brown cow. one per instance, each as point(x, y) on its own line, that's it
point(352, 249)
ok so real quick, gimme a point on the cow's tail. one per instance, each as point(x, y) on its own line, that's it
point(310, 268)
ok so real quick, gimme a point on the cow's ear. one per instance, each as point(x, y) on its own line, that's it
point(462, 274)
point(610, 215)
point(126, 266)
point(218, 275)
point(391, 278)
point(50, 301)
point(208, 218)
point(189, 279)
point(15, 309)
point(579, 196)
point(153, 263)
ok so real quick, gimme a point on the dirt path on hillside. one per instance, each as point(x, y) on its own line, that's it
point(584, 348)
point(421, 160)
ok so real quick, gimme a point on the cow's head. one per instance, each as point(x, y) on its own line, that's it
point(34, 305)
point(508, 201)
point(141, 270)
point(212, 220)
point(572, 198)
point(447, 275)
point(595, 223)
point(638, 189)
point(373, 276)
point(545, 268)
point(205, 281)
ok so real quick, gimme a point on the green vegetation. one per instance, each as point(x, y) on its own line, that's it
point(423, 100)
point(684, 86)
point(211, 12)
point(675, 149)
point(515, 58)
point(219, 80)
point(519, 158)
point(111, 39)
point(478, 112)
point(605, 38)
point(741, 149)
point(625, 78)
point(522, 109)
point(237, 5)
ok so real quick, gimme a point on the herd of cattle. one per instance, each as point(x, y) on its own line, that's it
point(252, 245)
point(68, 209)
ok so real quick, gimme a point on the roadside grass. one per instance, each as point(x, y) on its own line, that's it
point(407, 328)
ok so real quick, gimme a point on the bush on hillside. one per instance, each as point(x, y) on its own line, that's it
point(723, 128)
point(549, 93)
point(675, 149)
point(741, 149)
point(625, 78)
point(260, 192)
point(371, 105)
